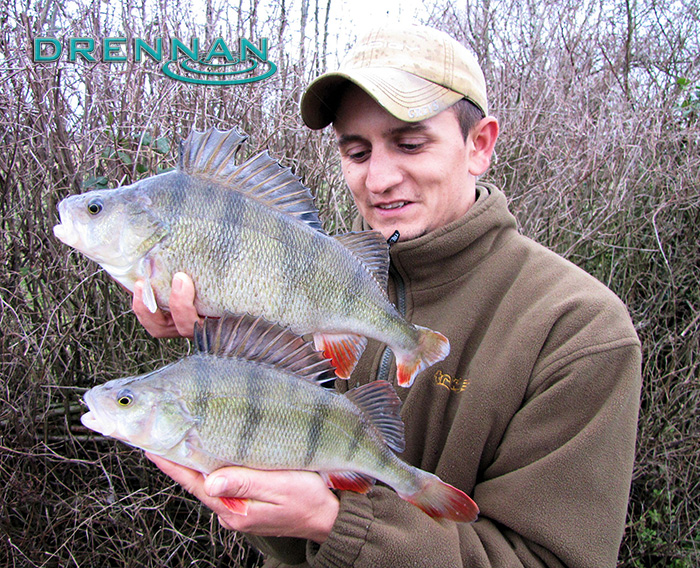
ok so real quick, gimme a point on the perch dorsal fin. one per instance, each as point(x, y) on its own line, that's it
point(256, 339)
point(213, 153)
point(379, 401)
point(370, 248)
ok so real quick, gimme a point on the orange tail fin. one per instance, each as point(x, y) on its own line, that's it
point(432, 347)
point(439, 499)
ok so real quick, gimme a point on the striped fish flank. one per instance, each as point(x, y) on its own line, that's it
point(251, 395)
point(250, 238)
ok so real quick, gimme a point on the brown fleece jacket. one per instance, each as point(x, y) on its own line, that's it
point(533, 413)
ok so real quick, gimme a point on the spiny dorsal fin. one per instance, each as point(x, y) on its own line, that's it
point(379, 401)
point(256, 339)
point(212, 153)
point(372, 250)
point(262, 178)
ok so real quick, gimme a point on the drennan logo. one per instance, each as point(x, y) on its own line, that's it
point(217, 65)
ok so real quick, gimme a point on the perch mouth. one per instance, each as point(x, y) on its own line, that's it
point(93, 422)
point(97, 421)
point(63, 233)
point(65, 230)
point(89, 420)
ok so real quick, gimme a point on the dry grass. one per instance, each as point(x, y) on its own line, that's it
point(599, 158)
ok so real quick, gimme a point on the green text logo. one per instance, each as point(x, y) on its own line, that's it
point(217, 65)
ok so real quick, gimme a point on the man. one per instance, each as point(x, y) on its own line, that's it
point(534, 411)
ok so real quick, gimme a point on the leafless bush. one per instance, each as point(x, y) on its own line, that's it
point(599, 155)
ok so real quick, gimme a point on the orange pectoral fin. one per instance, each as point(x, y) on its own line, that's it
point(238, 506)
point(348, 480)
point(343, 349)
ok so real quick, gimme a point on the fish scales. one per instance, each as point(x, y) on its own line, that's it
point(250, 396)
point(250, 238)
point(268, 419)
point(323, 283)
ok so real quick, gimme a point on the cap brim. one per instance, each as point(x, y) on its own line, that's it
point(402, 94)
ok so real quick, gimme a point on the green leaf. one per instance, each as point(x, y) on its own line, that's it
point(162, 145)
point(99, 182)
point(125, 158)
point(146, 139)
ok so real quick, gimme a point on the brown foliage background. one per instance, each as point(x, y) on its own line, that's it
point(599, 155)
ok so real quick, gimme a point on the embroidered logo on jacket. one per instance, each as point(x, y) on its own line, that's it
point(450, 383)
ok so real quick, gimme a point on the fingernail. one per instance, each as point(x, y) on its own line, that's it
point(177, 283)
point(217, 486)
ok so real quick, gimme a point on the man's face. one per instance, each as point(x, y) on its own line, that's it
point(410, 177)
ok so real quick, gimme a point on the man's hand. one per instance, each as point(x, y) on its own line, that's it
point(180, 320)
point(280, 503)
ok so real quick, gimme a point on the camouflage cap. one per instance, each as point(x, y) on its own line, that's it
point(413, 72)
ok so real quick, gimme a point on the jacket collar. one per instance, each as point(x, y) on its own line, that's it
point(455, 249)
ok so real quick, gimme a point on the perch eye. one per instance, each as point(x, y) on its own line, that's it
point(125, 398)
point(94, 206)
